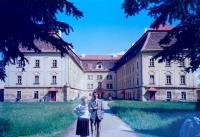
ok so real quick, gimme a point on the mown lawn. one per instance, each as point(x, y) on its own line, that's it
point(41, 119)
point(153, 119)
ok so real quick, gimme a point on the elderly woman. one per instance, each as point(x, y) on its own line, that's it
point(82, 111)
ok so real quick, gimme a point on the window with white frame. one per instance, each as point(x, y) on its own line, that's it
point(168, 63)
point(109, 86)
point(19, 94)
point(183, 95)
point(53, 79)
point(19, 79)
point(36, 79)
point(182, 63)
point(137, 81)
point(182, 79)
point(37, 63)
point(19, 62)
point(90, 77)
point(99, 77)
point(99, 85)
point(36, 94)
point(169, 94)
point(168, 79)
point(89, 86)
point(151, 61)
point(54, 63)
point(151, 79)
point(109, 77)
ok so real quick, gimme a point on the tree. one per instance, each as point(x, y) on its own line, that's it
point(23, 21)
point(186, 33)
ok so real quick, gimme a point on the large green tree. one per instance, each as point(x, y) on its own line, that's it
point(186, 32)
point(23, 21)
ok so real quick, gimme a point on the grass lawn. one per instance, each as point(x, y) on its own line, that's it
point(41, 119)
point(153, 119)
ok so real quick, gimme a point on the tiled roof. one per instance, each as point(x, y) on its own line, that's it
point(99, 57)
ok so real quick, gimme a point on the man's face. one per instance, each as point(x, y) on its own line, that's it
point(95, 95)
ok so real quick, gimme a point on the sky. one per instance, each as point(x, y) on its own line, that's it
point(104, 28)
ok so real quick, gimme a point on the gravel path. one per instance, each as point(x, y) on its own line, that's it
point(111, 126)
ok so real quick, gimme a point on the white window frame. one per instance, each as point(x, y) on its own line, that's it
point(37, 63)
point(168, 79)
point(152, 79)
point(54, 63)
point(183, 95)
point(151, 62)
point(182, 79)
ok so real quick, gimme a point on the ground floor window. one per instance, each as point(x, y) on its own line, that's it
point(35, 94)
point(18, 94)
point(183, 95)
point(169, 94)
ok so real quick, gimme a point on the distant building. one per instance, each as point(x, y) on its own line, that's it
point(134, 75)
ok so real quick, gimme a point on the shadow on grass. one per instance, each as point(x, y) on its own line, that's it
point(172, 130)
point(4, 126)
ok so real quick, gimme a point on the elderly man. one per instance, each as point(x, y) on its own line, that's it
point(191, 126)
point(96, 110)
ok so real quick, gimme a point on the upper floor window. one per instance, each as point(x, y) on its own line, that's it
point(109, 86)
point(19, 95)
point(53, 79)
point(183, 95)
point(89, 86)
point(151, 79)
point(90, 77)
point(37, 63)
point(168, 63)
point(54, 63)
point(182, 63)
point(99, 77)
point(151, 62)
point(19, 80)
point(182, 79)
point(99, 85)
point(168, 79)
point(109, 76)
point(35, 94)
point(137, 65)
point(36, 79)
point(19, 62)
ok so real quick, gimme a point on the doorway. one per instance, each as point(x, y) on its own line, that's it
point(152, 96)
point(53, 96)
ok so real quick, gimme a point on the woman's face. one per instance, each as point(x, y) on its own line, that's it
point(85, 101)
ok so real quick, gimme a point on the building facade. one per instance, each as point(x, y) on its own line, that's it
point(135, 75)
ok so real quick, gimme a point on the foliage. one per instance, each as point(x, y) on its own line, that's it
point(23, 21)
point(153, 119)
point(41, 119)
point(186, 33)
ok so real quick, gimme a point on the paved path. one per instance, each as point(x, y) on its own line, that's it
point(111, 126)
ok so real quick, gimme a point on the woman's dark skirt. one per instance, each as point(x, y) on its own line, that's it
point(82, 127)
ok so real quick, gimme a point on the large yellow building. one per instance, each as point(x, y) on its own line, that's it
point(135, 75)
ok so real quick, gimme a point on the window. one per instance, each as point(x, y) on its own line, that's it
point(168, 79)
point(99, 76)
point(137, 81)
point(90, 77)
point(183, 95)
point(109, 77)
point(182, 79)
point(137, 65)
point(182, 63)
point(89, 86)
point(36, 79)
point(54, 63)
point(35, 94)
point(133, 67)
point(37, 63)
point(152, 62)
point(18, 94)
point(168, 63)
point(99, 85)
point(20, 64)
point(19, 80)
point(53, 79)
point(169, 94)
point(151, 79)
point(109, 86)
